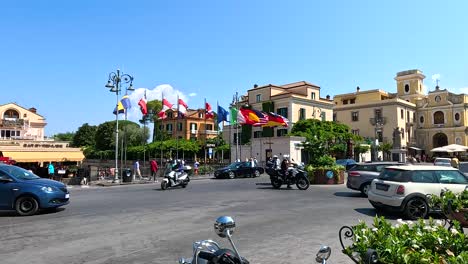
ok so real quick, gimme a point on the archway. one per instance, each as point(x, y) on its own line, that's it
point(439, 140)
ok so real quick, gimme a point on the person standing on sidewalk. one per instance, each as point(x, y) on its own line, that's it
point(51, 170)
point(154, 169)
point(195, 167)
point(136, 170)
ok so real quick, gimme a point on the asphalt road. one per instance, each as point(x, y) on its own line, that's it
point(142, 224)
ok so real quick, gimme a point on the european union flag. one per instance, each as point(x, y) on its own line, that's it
point(222, 114)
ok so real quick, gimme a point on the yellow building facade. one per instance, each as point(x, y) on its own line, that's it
point(425, 121)
point(22, 138)
point(295, 101)
point(192, 126)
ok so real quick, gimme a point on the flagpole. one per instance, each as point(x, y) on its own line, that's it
point(237, 127)
point(160, 132)
point(144, 137)
point(204, 147)
point(175, 129)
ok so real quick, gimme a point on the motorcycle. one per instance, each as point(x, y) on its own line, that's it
point(170, 178)
point(209, 252)
point(295, 175)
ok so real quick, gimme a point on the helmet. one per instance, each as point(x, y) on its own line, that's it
point(275, 156)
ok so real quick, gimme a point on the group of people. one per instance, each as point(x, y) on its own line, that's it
point(153, 167)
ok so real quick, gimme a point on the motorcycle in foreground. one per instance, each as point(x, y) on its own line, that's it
point(296, 175)
point(170, 180)
point(209, 252)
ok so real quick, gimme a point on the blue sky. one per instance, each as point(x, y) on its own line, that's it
point(56, 55)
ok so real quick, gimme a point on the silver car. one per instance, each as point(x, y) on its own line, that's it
point(361, 175)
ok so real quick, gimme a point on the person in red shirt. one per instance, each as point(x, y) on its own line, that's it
point(154, 169)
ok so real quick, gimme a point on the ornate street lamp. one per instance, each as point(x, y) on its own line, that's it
point(114, 84)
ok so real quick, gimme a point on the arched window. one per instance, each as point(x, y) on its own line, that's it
point(11, 114)
point(439, 117)
point(406, 88)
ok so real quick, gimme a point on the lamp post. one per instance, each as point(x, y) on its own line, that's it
point(114, 84)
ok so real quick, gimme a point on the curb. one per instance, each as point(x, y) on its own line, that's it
point(110, 184)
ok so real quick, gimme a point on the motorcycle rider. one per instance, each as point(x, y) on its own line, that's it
point(284, 170)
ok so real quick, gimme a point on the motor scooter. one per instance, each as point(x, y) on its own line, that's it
point(174, 178)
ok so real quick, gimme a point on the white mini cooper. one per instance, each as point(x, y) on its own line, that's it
point(405, 188)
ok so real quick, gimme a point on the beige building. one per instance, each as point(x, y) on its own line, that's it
point(22, 138)
point(295, 101)
point(425, 121)
point(192, 126)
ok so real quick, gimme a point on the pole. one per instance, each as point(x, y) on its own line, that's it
point(177, 138)
point(116, 172)
point(237, 126)
point(204, 145)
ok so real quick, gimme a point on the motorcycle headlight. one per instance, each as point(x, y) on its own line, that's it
point(47, 189)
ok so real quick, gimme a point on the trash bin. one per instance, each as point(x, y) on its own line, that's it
point(127, 175)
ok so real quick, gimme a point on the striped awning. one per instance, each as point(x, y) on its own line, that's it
point(44, 156)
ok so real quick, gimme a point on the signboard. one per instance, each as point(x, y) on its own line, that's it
point(210, 145)
point(210, 152)
point(329, 174)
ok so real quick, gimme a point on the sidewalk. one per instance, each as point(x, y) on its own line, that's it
point(145, 180)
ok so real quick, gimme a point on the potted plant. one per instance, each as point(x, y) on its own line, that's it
point(423, 241)
point(453, 205)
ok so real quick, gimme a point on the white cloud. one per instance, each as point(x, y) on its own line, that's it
point(192, 94)
point(463, 90)
point(134, 113)
point(436, 77)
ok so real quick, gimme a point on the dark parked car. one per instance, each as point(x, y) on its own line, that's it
point(347, 163)
point(236, 169)
point(361, 175)
point(25, 192)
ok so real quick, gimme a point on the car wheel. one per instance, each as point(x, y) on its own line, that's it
point(26, 206)
point(231, 175)
point(416, 208)
point(365, 189)
point(256, 173)
point(376, 206)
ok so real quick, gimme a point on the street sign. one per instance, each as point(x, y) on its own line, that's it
point(210, 145)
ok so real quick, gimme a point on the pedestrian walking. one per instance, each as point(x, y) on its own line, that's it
point(51, 170)
point(154, 169)
point(195, 167)
point(136, 170)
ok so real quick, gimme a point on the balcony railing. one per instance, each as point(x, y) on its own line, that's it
point(11, 123)
point(379, 121)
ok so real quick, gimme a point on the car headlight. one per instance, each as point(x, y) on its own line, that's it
point(47, 189)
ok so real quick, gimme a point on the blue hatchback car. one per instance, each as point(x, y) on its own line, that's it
point(26, 193)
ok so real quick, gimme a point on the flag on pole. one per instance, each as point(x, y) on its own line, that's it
point(208, 111)
point(120, 107)
point(126, 102)
point(165, 106)
point(222, 114)
point(181, 108)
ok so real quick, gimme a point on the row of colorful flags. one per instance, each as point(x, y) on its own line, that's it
point(242, 116)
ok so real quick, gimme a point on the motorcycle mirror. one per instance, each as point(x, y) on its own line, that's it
point(224, 226)
point(323, 254)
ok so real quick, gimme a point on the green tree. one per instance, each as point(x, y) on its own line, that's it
point(85, 136)
point(323, 138)
point(68, 136)
point(105, 134)
point(386, 149)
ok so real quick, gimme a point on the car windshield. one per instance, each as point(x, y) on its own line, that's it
point(442, 161)
point(393, 175)
point(19, 173)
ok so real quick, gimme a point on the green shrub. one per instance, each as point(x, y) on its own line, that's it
point(336, 169)
point(410, 242)
point(205, 169)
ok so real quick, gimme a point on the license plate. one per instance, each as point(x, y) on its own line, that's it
point(67, 196)
point(382, 187)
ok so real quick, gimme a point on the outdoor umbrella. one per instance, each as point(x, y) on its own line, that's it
point(456, 148)
point(441, 149)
